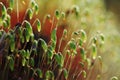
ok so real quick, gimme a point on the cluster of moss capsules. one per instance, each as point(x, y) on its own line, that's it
point(23, 56)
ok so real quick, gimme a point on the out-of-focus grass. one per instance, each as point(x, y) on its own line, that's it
point(112, 49)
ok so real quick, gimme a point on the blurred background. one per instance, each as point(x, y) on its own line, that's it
point(103, 16)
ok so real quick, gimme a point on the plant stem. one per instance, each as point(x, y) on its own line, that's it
point(4, 71)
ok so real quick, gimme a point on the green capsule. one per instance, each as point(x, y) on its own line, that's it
point(24, 62)
point(38, 25)
point(83, 36)
point(27, 54)
point(63, 15)
point(12, 42)
point(65, 32)
point(57, 14)
point(50, 54)
point(33, 4)
point(36, 8)
point(44, 45)
point(11, 63)
point(84, 73)
point(49, 75)
point(114, 78)
point(27, 35)
point(28, 31)
point(30, 13)
point(53, 35)
point(23, 53)
point(5, 24)
point(80, 42)
point(4, 11)
point(11, 4)
point(59, 59)
point(65, 73)
point(32, 63)
point(39, 72)
point(72, 45)
point(35, 44)
point(83, 53)
point(76, 10)
point(102, 38)
point(94, 51)
point(29, 27)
